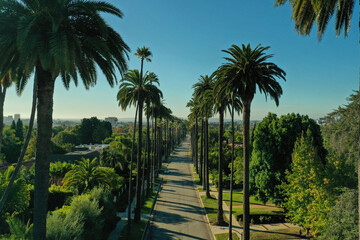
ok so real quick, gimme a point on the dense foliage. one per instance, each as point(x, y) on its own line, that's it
point(273, 144)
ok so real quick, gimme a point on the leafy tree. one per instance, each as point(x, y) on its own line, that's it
point(94, 130)
point(66, 137)
point(245, 71)
point(343, 218)
point(19, 131)
point(11, 145)
point(307, 201)
point(13, 125)
point(274, 140)
point(4, 85)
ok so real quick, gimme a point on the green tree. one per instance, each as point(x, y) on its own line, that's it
point(11, 145)
point(19, 131)
point(57, 38)
point(246, 71)
point(66, 137)
point(4, 85)
point(307, 199)
point(274, 140)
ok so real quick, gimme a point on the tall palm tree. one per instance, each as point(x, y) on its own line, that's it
point(194, 109)
point(133, 90)
point(245, 71)
point(223, 101)
point(306, 13)
point(151, 98)
point(202, 91)
point(64, 38)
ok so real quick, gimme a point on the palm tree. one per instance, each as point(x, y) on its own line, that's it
point(194, 109)
point(306, 13)
point(223, 101)
point(202, 90)
point(150, 98)
point(67, 38)
point(87, 174)
point(245, 71)
point(133, 90)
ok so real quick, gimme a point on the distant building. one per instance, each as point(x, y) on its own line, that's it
point(112, 120)
point(321, 121)
point(8, 120)
point(16, 117)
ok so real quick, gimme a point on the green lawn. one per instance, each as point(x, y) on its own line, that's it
point(289, 233)
point(136, 231)
point(256, 207)
point(225, 236)
point(238, 199)
point(211, 206)
point(196, 176)
point(149, 202)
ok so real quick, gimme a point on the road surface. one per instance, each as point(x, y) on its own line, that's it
point(177, 213)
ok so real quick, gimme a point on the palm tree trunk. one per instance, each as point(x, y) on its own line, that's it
point(43, 147)
point(220, 214)
point(155, 149)
point(196, 145)
point(137, 216)
point(207, 157)
point(131, 164)
point(232, 166)
point(246, 135)
point(2, 100)
point(167, 139)
point(23, 151)
point(148, 152)
point(201, 153)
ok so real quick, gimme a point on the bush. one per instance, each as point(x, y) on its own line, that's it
point(19, 196)
point(60, 226)
point(58, 170)
point(80, 220)
point(58, 196)
point(18, 229)
point(108, 213)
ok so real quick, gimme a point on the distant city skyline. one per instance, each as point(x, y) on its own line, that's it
point(186, 39)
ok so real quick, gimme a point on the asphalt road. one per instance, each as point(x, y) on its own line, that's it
point(178, 214)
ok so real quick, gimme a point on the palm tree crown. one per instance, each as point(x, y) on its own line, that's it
point(247, 69)
point(305, 13)
point(144, 54)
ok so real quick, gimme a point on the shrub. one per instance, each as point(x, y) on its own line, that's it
point(80, 220)
point(58, 197)
point(58, 170)
point(18, 229)
point(60, 226)
point(19, 196)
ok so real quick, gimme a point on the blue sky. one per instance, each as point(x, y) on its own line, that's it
point(186, 38)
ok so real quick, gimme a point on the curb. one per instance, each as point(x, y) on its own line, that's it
point(201, 204)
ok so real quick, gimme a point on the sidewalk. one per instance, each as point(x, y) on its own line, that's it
point(235, 224)
point(115, 234)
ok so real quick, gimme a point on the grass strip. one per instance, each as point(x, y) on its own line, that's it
point(288, 233)
point(136, 231)
point(225, 236)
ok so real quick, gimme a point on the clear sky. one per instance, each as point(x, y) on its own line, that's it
point(186, 38)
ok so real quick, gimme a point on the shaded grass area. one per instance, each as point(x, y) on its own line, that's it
point(238, 199)
point(136, 231)
point(225, 236)
point(149, 202)
point(196, 176)
point(211, 206)
point(200, 189)
point(288, 233)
